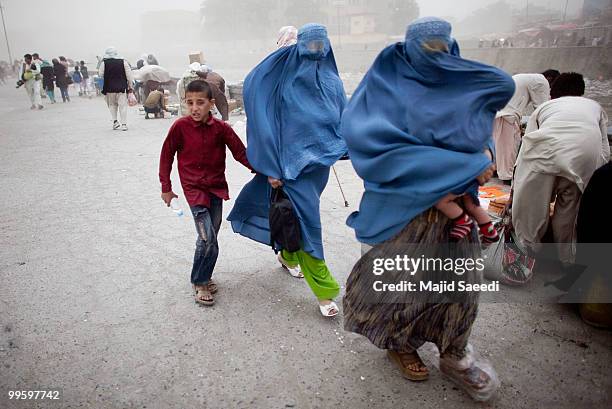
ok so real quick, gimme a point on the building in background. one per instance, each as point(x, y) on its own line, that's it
point(597, 9)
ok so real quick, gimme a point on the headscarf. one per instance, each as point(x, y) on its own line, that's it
point(111, 52)
point(151, 60)
point(416, 127)
point(293, 100)
point(287, 36)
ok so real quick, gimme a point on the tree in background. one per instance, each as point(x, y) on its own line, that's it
point(536, 13)
point(394, 15)
point(494, 18)
point(248, 19)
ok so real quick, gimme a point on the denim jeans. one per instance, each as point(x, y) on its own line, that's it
point(207, 222)
point(51, 95)
point(64, 92)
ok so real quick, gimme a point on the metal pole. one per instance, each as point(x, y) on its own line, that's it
point(346, 204)
point(565, 10)
point(527, 12)
point(8, 47)
point(338, 17)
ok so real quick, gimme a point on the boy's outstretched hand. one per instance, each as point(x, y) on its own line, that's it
point(167, 197)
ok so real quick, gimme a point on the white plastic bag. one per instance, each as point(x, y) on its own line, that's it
point(493, 257)
point(132, 101)
point(473, 373)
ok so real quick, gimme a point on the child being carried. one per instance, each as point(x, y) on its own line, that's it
point(462, 220)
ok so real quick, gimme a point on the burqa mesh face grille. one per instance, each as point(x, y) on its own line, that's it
point(313, 42)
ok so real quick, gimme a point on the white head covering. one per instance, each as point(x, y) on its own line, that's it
point(287, 36)
point(195, 66)
point(111, 52)
point(192, 69)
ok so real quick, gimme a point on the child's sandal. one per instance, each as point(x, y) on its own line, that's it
point(212, 287)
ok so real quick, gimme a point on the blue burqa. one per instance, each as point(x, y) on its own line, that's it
point(416, 128)
point(293, 100)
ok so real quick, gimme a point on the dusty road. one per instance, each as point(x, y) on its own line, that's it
point(95, 296)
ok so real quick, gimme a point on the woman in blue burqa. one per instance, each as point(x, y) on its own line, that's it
point(419, 128)
point(294, 100)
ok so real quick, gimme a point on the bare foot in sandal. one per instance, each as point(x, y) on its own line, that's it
point(203, 296)
point(410, 364)
point(328, 308)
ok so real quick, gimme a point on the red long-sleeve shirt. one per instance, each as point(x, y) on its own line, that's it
point(200, 148)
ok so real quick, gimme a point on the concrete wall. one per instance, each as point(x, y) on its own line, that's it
point(353, 60)
point(592, 62)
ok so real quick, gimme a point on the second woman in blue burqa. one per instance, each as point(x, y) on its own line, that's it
point(294, 101)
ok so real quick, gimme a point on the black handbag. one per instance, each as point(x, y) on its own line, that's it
point(284, 224)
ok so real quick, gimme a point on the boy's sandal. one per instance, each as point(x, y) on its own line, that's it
point(410, 364)
point(329, 310)
point(212, 287)
point(203, 296)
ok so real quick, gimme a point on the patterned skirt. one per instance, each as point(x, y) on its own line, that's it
point(403, 321)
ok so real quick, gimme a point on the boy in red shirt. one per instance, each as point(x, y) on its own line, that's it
point(199, 140)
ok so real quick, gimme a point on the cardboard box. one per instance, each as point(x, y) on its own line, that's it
point(196, 56)
point(232, 104)
point(497, 206)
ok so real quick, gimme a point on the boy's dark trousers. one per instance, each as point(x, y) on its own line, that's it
point(207, 222)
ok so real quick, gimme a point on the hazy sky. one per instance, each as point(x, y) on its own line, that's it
point(462, 8)
point(83, 29)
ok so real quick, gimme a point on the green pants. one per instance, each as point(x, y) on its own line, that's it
point(317, 275)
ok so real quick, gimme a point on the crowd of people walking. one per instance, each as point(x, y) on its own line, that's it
point(40, 77)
